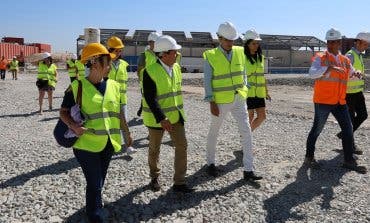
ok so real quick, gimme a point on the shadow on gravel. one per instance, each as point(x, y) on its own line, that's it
point(55, 168)
point(19, 115)
point(127, 210)
point(309, 183)
point(49, 119)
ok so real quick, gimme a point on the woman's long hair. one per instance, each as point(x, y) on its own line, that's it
point(252, 58)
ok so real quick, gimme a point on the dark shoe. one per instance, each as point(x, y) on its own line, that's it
point(311, 162)
point(339, 135)
point(154, 185)
point(138, 113)
point(183, 188)
point(352, 165)
point(249, 175)
point(212, 170)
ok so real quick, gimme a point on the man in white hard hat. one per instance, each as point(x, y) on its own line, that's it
point(71, 67)
point(331, 71)
point(226, 90)
point(355, 86)
point(14, 67)
point(163, 111)
point(146, 58)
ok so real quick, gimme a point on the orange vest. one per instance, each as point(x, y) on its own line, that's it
point(3, 64)
point(332, 89)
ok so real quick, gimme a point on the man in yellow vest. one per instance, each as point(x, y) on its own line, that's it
point(118, 72)
point(163, 111)
point(71, 67)
point(356, 83)
point(146, 58)
point(14, 67)
point(80, 68)
point(226, 90)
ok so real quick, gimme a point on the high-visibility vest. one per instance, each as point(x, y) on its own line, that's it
point(168, 94)
point(150, 58)
point(227, 77)
point(178, 58)
point(47, 73)
point(120, 75)
point(354, 84)
point(80, 67)
point(256, 78)
point(71, 68)
point(332, 89)
point(3, 64)
point(13, 65)
point(102, 116)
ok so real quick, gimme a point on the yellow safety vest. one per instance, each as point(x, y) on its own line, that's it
point(80, 69)
point(355, 85)
point(178, 58)
point(150, 58)
point(47, 73)
point(102, 116)
point(168, 94)
point(71, 68)
point(256, 78)
point(227, 77)
point(14, 65)
point(120, 75)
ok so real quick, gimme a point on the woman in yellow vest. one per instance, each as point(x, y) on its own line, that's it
point(46, 79)
point(257, 88)
point(14, 67)
point(99, 135)
point(118, 72)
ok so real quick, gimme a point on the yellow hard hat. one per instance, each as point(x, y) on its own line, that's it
point(115, 43)
point(94, 49)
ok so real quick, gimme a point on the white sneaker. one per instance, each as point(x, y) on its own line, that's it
point(131, 150)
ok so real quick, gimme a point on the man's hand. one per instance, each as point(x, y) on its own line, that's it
point(214, 109)
point(166, 125)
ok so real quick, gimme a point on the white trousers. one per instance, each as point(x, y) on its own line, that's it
point(238, 109)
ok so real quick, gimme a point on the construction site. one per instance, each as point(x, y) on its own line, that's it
point(42, 181)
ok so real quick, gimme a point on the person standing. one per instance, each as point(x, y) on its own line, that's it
point(356, 83)
point(14, 67)
point(118, 72)
point(71, 67)
point(99, 136)
point(46, 80)
point(226, 91)
point(163, 110)
point(80, 68)
point(255, 69)
point(331, 71)
point(146, 58)
point(3, 66)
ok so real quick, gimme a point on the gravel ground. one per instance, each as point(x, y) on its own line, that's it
point(42, 182)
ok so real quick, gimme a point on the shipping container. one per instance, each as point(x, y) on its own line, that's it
point(18, 40)
point(9, 50)
point(42, 47)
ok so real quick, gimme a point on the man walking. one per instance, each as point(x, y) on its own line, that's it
point(226, 91)
point(331, 71)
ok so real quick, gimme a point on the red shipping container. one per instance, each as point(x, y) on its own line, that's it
point(9, 50)
point(18, 40)
point(42, 47)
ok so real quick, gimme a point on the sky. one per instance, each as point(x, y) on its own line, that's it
point(59, 23)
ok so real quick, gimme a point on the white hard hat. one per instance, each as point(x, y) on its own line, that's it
point(45, 55)
point(74, 57)
point(363, 36)
point(252, 34)
point(228, 31)
point(153, 36)
point(14, 57)
point(333, 34)
point(165, 43)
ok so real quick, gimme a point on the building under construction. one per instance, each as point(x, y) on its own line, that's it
point(285, 53)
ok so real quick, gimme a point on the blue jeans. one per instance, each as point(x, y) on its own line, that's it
point(341, 114)
point(94, 167)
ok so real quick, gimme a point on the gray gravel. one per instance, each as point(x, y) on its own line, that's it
point(42, 182)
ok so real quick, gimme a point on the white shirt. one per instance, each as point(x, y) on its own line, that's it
point(167, 68)
point(317, 70)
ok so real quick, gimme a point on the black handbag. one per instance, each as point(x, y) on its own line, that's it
point(61, 128)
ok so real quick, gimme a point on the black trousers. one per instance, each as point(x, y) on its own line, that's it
point(357, 109)
point(2, 74)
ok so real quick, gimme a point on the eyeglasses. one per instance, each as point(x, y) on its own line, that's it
point(334, 41)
